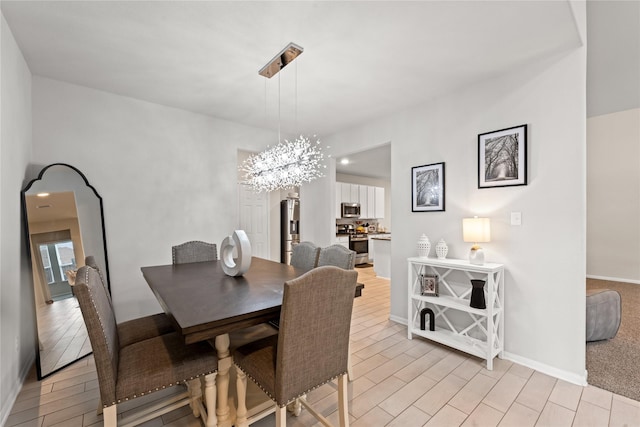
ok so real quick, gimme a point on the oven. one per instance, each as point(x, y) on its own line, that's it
point(359, 243)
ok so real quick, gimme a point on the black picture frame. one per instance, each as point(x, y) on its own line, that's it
point(427, 188)
point(502, 157)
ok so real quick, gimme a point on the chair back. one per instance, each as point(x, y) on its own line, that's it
point(304, 255)
point(338, 256)
point(91, 262)
point(194, 251)
point(100, 321)
point(313, 340)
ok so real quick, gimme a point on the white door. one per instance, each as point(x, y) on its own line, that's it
point(254, 219)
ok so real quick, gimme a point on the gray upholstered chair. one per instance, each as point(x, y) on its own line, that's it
point(337, 255)
point(304, 255)
point(139, 329)
point(194, 251)
point(143, 367)
point(299, 359)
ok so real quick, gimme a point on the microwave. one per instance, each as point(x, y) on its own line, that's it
point(350, 210)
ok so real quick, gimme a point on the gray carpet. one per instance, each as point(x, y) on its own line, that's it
point(614, 364)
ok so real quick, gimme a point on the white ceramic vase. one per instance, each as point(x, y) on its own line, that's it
point(424, 246)
point(442, 249)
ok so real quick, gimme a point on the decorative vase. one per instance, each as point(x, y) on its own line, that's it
point(424, 246)
point(477, 294)
point(442, 249)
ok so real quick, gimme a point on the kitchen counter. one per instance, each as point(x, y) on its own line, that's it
point(381, 237)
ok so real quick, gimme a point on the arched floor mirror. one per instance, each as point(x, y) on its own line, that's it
point(64, 223)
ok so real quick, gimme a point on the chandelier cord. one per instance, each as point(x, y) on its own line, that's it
point(279, 114)
point(296, 99)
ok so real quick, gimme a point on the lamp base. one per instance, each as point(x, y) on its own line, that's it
point(476, 256)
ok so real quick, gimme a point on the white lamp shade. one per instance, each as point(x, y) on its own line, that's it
point(476, 230)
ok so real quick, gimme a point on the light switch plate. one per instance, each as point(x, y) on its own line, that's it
point(516, 218)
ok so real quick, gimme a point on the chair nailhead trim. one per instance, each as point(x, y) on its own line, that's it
point(301, 394)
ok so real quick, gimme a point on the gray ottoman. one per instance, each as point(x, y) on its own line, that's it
point(603, 314)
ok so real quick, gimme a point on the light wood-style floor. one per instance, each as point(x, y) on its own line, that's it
point(399, 382)
point(62, 334)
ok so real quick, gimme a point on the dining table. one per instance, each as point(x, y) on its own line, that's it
point(204, 303)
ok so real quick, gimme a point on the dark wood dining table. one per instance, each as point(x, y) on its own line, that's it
point(204, 303)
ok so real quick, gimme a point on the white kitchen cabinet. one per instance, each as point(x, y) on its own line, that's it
point(379, 203)
point(355, 193)
point(363, 199)
point(371, 199)
point(342, 240)
point(475, 331)
point(371, 202)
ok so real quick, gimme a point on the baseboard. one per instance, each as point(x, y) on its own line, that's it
point(613, 279)
point(540, 367)
point(7, 403)
point(571, 377)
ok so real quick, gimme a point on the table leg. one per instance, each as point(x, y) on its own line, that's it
point(222, 380)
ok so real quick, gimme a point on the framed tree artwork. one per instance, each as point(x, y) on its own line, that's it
point(427, 188)
point(502, 157)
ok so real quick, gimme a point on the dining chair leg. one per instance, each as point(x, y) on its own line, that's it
point(281, 416)
point(343, 401)
point(350, 373)
point(241, 390)
point(110, 416)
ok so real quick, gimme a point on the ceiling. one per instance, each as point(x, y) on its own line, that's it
point(361, 60)
point(54, 207)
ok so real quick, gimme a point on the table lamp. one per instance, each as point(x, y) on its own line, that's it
point(476, 230)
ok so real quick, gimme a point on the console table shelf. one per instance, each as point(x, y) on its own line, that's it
point(479, 332)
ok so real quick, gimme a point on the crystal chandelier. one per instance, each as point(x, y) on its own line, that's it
point(290, 163)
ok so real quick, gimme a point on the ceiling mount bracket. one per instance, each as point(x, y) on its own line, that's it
point(284, 57)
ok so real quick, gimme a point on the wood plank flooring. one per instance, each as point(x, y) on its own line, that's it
point(399, 382)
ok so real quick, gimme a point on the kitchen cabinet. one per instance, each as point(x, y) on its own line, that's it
point(475, 331)
point(371, 202)
point(363, 199)
point(371, 199)
point(342, 240)
point(379, 203)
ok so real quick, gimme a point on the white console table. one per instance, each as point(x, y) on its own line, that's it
point(475, 331)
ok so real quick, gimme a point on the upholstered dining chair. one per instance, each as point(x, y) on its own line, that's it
point(143, 367)
point(138, 329)
point(299, 359)
point(304, 255)
point(194, 251)
point(337, 255)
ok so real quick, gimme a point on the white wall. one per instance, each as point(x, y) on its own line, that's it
point(545, 256)
point(17, 323)
point(613, 196)
point(165, 175)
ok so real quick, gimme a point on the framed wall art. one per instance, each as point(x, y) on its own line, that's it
point(502, 157)
point(427, 188)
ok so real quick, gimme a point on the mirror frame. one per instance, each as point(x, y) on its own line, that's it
point(23, 193)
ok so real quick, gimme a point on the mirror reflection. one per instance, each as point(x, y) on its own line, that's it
point(64, 222)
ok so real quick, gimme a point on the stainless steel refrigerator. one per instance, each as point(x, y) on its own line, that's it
point(289, 228)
